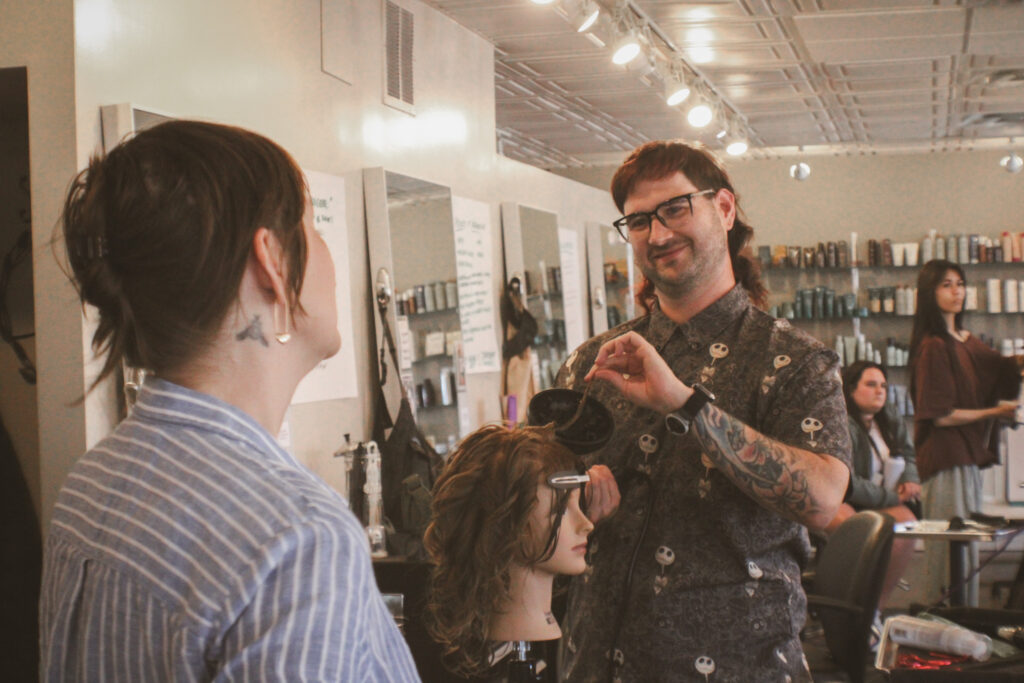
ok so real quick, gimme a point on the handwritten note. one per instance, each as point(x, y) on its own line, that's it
point(334, 377)
point(474, 258)
point(406, 345)
point(572, 294)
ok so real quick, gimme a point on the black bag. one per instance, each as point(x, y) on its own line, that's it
point(409, 465)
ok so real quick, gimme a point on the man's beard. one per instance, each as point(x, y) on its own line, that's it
point(693, 276)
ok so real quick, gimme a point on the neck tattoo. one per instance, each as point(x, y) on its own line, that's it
point(254, 331)
point(549, 618)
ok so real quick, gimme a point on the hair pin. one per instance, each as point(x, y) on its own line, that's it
point(95, 247)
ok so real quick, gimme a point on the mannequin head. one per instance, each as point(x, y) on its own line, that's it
point(506, 505)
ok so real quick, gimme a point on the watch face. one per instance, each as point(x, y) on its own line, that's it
point(676, 423)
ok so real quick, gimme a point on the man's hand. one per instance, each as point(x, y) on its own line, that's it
point(636, 369)
point(602, 493)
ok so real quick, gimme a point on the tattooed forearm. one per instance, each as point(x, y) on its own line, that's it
point(775, 474)
point(254, 331)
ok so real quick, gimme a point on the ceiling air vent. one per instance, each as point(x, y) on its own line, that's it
point(398, 66)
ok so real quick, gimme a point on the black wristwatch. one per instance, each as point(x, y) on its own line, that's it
point(678, 422)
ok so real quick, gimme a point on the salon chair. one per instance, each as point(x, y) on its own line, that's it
point(843, 594)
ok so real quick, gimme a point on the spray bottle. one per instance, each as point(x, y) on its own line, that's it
point(374, 502)
point(932, 635)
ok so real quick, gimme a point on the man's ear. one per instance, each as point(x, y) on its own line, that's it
point(268, 263)
point(725, 204)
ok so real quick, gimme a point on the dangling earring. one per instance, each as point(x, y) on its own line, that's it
point(282, 337)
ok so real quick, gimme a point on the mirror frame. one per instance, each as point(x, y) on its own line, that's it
point(382, 247)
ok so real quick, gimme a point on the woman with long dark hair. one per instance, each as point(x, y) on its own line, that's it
point(956, 382)
point(884, 470)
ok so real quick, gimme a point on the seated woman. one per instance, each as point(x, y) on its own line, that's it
point(882, 454)
point(508, 516)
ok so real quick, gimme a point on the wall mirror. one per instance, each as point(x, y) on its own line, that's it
point(548, 260)
point(120, 120)
point(411, 237)
point(612, 277)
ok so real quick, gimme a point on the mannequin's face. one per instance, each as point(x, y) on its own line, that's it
point(571, 546)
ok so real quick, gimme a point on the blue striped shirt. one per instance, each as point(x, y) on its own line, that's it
point(189, 546)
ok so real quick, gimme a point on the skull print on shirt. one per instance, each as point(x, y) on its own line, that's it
point(810, 426)
point(779, 362)
point(717, 351)
point(665, 557)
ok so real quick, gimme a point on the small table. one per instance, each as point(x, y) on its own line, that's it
point(959, 540)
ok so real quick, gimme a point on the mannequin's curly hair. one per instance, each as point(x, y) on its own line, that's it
point(480, 528)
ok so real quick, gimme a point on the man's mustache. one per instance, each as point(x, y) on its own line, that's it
point(655, 252)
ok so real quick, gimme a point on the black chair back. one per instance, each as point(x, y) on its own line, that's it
point(847, 586)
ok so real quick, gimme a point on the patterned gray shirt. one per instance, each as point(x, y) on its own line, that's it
point(714, 594)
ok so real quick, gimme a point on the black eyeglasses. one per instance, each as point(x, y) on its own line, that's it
point(672, 213)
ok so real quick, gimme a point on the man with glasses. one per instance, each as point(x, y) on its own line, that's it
point(730, 438)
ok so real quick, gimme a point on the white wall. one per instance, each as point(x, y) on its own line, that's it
point(257, 64)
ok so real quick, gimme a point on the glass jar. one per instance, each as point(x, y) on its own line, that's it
point(874, 301)
point(888, 300)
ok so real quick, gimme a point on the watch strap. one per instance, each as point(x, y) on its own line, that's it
point(679, 421)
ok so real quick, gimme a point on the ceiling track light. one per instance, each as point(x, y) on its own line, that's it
point(737, 147)
point(643, 65)
point(626, 48)
point(676, 93)
point(583, 15)
point(631, 33)
point(700, 115)
point(677, 89)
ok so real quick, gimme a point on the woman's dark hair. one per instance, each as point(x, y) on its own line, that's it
point(480, 527)
point(851, 378)
point(158, 233)
point(661, 158)
point(928, 318)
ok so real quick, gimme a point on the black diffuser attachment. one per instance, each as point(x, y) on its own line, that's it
point(588, 432)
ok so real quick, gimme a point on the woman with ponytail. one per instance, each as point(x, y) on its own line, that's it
point(187, 544)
